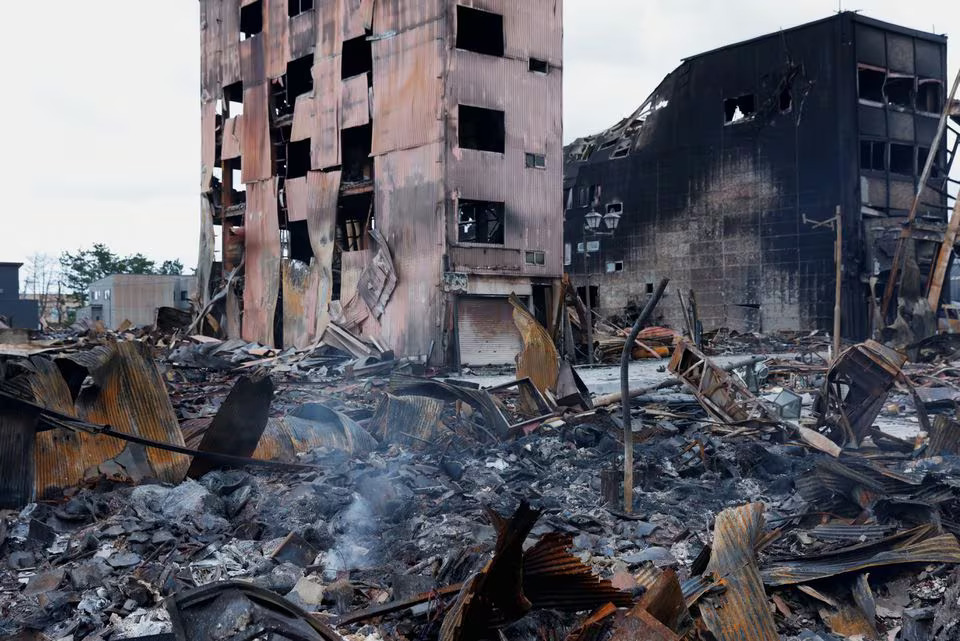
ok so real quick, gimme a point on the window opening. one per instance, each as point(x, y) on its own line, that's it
point(899, 91)
point(357, 57)
point(615, 208)
point(536, 161)
point(615, 266)
point(649, 288)
point(299, 78)
point(594, 194)
point(300, 248)
point(929, 97)
point(481, 221)
point(922, 154)
point(535, 258)
point(739, 109)
point(296, 7)
point(356, 144)
point(233, 95)
point(568, 198)
point(251, 19)
point(298, 158)
point(479, 31)
point(873, 155)
point(481, 129)
point(870, 83)
point(539, 66)
point(901, 159)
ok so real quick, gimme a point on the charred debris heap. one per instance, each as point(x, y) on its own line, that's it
point(167, 485)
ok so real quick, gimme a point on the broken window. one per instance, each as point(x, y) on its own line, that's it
point(536, 161)
point(899, 91)
point(922, 154)
point(539, 66)
point(649, 288)
point(929, 96)
point(354, 218)
point(357, 57)
point(251, 19)
point(296, 7)
point(873, 155)
point(299, 78)
point(355, 145)
point(233, 95)
point(299, 241)
point(479, 31)
point(480, 221)
point(614, 266)
point(739, 109)
point(481, 129)
point(298, 158)
point(870, 83)
point(901, 159)
point(615, 208)
point(786, 100)
point(534, 258)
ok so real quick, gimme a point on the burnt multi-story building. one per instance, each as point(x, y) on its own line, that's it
point(720, 176)
point(394, 166)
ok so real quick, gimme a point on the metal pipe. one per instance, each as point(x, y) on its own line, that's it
point(586, 278)
point(625, 393)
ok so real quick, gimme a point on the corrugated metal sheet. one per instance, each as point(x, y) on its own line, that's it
point(252, 61)
point(297, 200)
point(277, 44)
point(488, 335)
point(206, 254)
point(232, 146)
point(262, 249)
point(412, 421)
point(357, 17)
point(300, 290)
point(741, 611)
point(407, 77)
point(208, 144)
point(354, 102)
point(329, 28)
point(210, 49)
point(539, 360)
point(304, 117)
point(325, 142)
point(351, 266)
point(303, 34)
point(17, 428)
point(318, 427)
point(490, 259)
point(257, 161)
point(400, 15)
point(531, 29)
point(130, 396)
point(323, 192)
point(230, 40)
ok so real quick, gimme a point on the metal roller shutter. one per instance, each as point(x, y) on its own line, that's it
point(488, 335)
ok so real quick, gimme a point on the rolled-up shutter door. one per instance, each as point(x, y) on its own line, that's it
point(488, 335)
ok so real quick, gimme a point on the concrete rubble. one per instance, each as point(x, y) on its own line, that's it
point(310, 494)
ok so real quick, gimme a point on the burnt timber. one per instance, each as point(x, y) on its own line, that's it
point(720, 173)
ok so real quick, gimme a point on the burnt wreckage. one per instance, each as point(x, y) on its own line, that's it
point(380, 173)
point(723, 173)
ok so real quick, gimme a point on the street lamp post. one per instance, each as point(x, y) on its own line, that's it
point(591, 228)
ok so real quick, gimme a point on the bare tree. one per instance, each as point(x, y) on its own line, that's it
point(42, 279)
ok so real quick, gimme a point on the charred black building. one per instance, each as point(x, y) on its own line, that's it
point(717, 175)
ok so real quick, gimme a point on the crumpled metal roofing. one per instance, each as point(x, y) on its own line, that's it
point(410, 420)
point(539, 360)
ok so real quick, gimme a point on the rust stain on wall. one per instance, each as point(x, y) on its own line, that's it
point(262, 249)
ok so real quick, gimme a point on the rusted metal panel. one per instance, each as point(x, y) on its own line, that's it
point(354, 102)
point(531, 29)
point(207, 251)
point(210, 49)
point(411, 421)
point(229, 41)
point(262, 283)
point(255, 134)
point(488, 335)
point(400, 15)
point(379, 278)
point(357, 16)
point(17, 442)
point(539, 360)
point(323, 193)
point(407, 202)
point(304, 117)
point(300, 290)
point(208, 144)
point(741, 611)
point(407, 74)
point(487, 259)
point(352, 265)
point(296, 190)
point(314, 427)
point(325, 142)
point(129, 395)
point(329, 28)
point(303, 34)
point(277, 44)
point(253, 69)
point(232, 146)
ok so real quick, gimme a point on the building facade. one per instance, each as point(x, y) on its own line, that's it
point(721, 176)
point(394, 166)
point(14, 310)
point(136, 298)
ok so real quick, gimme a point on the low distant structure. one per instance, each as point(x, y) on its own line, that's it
point(136, 297)
point(15, 311)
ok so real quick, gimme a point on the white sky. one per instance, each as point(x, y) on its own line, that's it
point(100, 126)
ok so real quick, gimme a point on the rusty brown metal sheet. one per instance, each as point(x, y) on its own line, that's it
point(232, 146)
point(740, 613)
point(130, 396)
point(323, 194)
point(531, 29)
point(351, 266)
point(357, 16)
point(297, 200)
point(316, 426)
point(325, 141)
point(539, 360)
point(277, 43)
point(255, 133)
point(303, 34)
point(640, 624)
point(207, 251)
point(253, 61)
point(210, 49)
point(262, 247)
point(230, 41)
point(400, 15)
point(17, 445)
point(407, 71)
point(412, 421)
point(329, 28)
point(354, 102)
point(300, 289)
point(304, 117)
point(378, 280)
point(208, 144)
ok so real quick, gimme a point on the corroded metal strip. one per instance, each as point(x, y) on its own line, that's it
point(323, 190)
point(262, 262)
point(539, 360)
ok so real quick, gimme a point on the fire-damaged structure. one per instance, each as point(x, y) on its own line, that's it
point(390, 167)
point(722, 176)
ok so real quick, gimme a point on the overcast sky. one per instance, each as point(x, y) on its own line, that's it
point(101, 138)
